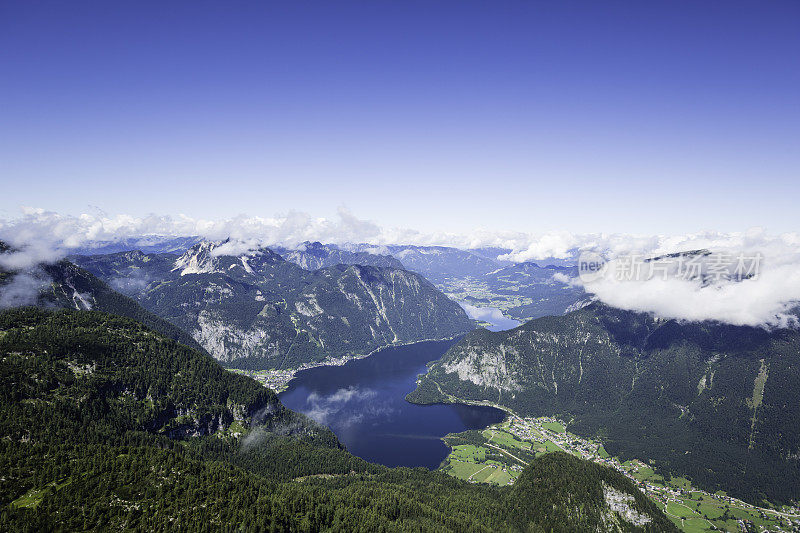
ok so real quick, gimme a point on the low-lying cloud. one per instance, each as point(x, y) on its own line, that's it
point(26, 280)
point(345, 407)
point(560, 277)
point(766, 297)
point(23, 289)
point(133, 283)
point(484, 314)
point(491, 315)
point(43, 236)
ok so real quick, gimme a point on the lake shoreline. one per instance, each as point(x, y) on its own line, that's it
point(364, 404)
point(278, 379)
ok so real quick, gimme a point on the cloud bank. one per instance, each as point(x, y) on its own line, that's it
point(44, 236)
point(768, 298)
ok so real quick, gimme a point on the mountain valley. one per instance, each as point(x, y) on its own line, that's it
point(652, 393)
point(109, 425)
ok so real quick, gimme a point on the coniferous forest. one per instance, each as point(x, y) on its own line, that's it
point(109, 425)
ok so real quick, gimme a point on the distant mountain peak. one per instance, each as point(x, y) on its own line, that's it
point(216, 257)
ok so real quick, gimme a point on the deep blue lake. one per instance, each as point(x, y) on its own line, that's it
point(363, 402)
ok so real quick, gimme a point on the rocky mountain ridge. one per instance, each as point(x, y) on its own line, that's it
point(252, 309)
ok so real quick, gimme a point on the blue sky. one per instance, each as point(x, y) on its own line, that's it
point(636, 117)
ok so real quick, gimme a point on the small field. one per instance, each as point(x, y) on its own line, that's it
point(647, 474)
point(546, 447)
point(463, 470)
point(469, 453)
point(33, 497)
point(505, 440)
point(492, 461)
point(554, 426)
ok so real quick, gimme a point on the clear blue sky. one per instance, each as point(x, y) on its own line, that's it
point(638, 116)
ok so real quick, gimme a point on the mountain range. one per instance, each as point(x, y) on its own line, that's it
point(149, 244)
point(718, 403)
point(479, 278)
point(64, 285)
point(253, 309)
point(476, 277)
point(713, 402)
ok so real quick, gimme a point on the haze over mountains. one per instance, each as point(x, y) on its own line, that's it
point(315, 255)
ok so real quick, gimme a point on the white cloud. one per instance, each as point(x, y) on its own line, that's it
point(558, 245)
point(563, 278)
point(37, 225)
point(235, 247)
point(24, 256)
point(23, 289)
point(377, 250)
point(491, 315)
point(334, 406)
point(764, 300)
point(44, 236)
point(484, 314)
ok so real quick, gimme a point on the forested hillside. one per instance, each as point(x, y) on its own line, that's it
point(63, 284)
point(717, 403)
point(108, 425)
